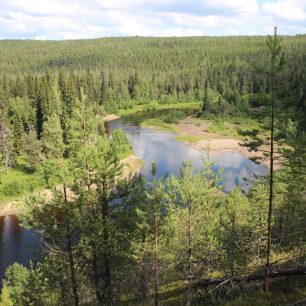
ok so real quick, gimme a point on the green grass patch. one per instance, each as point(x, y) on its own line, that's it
point(17, 183)
point(159, 124)
point(188, 138)
point(157, 106)
point(236, 127)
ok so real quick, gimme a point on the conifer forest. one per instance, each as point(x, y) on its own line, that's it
point(114, 227)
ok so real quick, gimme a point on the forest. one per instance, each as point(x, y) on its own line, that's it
point(113, 239)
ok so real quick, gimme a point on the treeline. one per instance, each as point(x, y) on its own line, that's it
point(117, 72)
point(41, 78)
point(110, 240)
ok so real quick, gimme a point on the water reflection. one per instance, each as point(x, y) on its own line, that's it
point(151, 145)
point(16, 243)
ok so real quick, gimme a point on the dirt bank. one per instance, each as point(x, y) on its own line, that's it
point(110, 117)
point(132, 165)
point(218, 142)
point(227, 145)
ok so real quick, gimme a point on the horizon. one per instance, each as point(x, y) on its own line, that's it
point(148, 37)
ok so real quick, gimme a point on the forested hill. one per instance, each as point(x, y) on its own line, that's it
point(175, 240)
point(163, 55)
point(116, 72)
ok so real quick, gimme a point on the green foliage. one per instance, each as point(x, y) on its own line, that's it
point(14, 188)
point(121, 143)
point(107, 238)
point(159, 124)
point(5, 298)
point(16, 282)
point(234, 231)
point(32, 150)
point(19, 182)
point(174, 117)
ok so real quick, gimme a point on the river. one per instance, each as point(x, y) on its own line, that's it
point(18, 244)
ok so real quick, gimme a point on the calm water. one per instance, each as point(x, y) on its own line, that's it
point(151, 145)
point(18, 244)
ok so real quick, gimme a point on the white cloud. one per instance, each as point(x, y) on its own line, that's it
point(45, 7)
point(287, 9)
point(70, 19)
point(248, 7)
point(181, 32)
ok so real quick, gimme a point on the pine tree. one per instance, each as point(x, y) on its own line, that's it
point(5, 145)
point(192, 219)
point(62, 225)
point(154, 196)
point(276, 64)
point(32, 149)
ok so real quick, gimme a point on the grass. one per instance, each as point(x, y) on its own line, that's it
point(17, 183)
point(281, 292)
point(235, 127)
point(188, 138)
point(159, 124)
point(157, 106)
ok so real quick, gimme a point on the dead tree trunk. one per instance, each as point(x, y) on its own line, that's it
point(250, 277)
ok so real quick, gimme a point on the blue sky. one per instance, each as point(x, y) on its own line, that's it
point(71, 19)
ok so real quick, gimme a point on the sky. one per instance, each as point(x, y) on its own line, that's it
point(74, 19)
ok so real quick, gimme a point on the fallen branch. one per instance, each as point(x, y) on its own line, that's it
point(250, 277)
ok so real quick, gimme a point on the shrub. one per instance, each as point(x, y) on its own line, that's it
point(174, 117)
point(121, 143)
point(17, 281)
point(17, 188)
point(13, 189)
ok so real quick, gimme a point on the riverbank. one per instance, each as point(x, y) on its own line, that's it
point(210, 135)
point(110, 117)
point(216, 136)
point(197, 135)
point(132, 166)
point(154, 106)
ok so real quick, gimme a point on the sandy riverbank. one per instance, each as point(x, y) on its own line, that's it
point(216, 142)
point(8, 211)
point(110, 117)
point(228, 145)
point(133, 165)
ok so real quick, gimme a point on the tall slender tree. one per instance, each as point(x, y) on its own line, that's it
point(276, 64)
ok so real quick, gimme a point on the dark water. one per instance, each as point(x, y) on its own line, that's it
point(18, 244)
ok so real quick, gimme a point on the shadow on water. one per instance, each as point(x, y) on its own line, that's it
point(17, 244)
